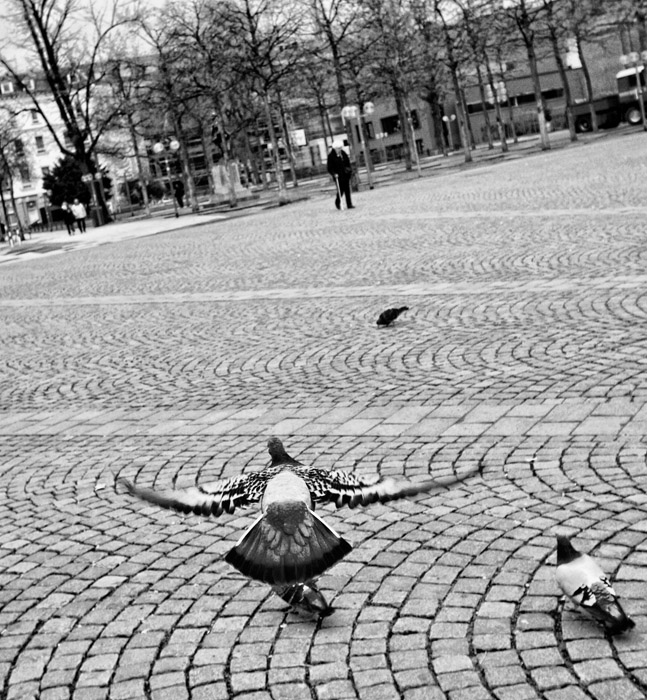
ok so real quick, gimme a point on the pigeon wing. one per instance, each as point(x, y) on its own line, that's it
point(585, 584)
point(211, 499)
point(346, 489)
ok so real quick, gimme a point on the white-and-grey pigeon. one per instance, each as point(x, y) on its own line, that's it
point(288, 543)
point(584, 582)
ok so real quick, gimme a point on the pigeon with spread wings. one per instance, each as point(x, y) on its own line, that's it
point(288, 543)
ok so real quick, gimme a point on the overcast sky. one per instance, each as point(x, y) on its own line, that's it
point(8, 7)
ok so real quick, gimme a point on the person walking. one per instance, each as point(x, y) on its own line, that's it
point(68, 218)
point(79, 214)
point(341, 171)
point(178, 191)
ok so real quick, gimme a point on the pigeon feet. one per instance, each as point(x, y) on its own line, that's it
point(304, 597)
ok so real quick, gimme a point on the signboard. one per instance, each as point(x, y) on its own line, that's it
point(298, 137)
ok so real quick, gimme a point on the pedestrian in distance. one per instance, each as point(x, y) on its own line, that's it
point(68, 218)
point(178, 191)
point(341, 171)
point(80, 214)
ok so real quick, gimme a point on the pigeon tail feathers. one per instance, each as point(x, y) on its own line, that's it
point(607, 609)
point(276, 557)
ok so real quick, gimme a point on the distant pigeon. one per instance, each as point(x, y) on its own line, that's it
point(584, 582)
point(388, 316)
point(288, 543)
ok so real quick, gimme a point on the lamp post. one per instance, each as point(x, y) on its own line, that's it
point(448, 120)
point(351, 112)
point(637, 61)
point(164, 150)
point(89, 179)
point(380, 136)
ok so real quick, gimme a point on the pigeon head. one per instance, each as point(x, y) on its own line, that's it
point(275, 447)
point(278, 453)
point(565, 550)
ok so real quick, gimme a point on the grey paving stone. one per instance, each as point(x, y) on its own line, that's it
point(171, 359)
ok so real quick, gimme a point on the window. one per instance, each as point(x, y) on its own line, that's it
point(20, 147)
point(415, 121)
point(34, 116)
point(67, 140)
point(370, 129)
point(6, 87)
point(552, 94)
point(40, 144)
point(391, 125)
point(45, 171)
point(25, 175)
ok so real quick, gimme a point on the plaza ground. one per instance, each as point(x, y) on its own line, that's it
point(171, 358)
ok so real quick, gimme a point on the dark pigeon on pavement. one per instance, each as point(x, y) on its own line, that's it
point(387, 317)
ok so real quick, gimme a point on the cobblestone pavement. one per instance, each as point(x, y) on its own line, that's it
point(172, 358)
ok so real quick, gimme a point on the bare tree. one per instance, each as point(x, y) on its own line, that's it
point(453, 42)
point(431, 74)
point(201, 27)
point(264, 38)
point(527, 16)
point(127, 81)
point(391, 53)
point(73, 63)
point(556, 26)
point(13, 161)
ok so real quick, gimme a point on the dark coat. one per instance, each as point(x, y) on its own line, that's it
point(339, 165)
point(68, 216)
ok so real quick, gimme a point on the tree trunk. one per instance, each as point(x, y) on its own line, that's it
point(233, 198)
point(641, 28)
point(322, 118)
point(564, 78)
point(14, 204)
point(287, 141)
point(497, 109)
point(461, 113)
point(541, 112)
point(402, 116)
point(278, 166)
point(138, 163)
point(251, 158)
point(588, 82)
point(4, 207)
point(186, 167)
point(486, 116)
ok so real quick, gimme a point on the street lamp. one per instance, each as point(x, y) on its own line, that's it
point(91, 179)
point(351, 112)
point(448, 120)
point(637, 61)
point(166, 149)
point(380, 136)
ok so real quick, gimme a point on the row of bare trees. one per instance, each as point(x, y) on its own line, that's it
point(227, 70)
